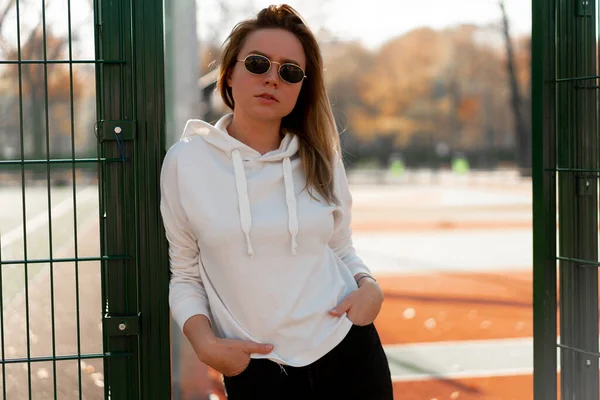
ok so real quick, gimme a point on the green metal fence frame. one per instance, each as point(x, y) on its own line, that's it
point(566, 163)
point(134, 254)
point(544, 203)
point(131, 96)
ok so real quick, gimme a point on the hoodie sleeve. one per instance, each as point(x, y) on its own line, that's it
point(341, 241)
point(187, 295)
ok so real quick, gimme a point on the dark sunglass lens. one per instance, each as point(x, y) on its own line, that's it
point(291, 73)
point(257, 64)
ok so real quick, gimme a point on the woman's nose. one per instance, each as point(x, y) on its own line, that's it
point(272, 77)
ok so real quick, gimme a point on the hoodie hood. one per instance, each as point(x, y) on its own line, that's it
point(218, 136)
point(239, 152)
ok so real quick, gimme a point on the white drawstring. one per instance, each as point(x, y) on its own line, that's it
point(290, 198)
point(281, 369)
point(244, 202)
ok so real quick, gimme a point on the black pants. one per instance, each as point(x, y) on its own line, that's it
point(356, 369)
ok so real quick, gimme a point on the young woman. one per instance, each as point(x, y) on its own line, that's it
point(266, 283)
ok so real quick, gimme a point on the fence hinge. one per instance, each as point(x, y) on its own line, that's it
point(116, 130)
point(126, 325)
point(584, 8)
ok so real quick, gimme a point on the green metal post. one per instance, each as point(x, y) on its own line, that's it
point(544, 202)
point(118, 219)
point(577, 158)
point(148, 34)
point(131, 129)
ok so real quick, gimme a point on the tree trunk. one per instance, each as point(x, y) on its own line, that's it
point(522, 128)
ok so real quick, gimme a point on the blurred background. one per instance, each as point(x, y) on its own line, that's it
point(414, 85)
point(432, 100)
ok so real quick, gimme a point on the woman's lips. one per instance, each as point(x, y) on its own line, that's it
point(267, 97)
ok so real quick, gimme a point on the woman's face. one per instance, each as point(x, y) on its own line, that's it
point(267, 97)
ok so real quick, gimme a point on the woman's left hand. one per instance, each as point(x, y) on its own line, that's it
point(362, 305)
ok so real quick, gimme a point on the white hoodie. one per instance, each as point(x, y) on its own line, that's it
point(251, 249)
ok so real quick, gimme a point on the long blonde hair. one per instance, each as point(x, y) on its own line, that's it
point(312, 119)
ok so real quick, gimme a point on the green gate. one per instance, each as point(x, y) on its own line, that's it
point(565, 189)
point(84, 270)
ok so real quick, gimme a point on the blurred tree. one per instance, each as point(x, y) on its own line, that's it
point(475, 76)
point(522, 127)
point(425, 88)
point(41, 92)
point(393, 88)
point(431, 83)
point(39, 84)
point(344, 62)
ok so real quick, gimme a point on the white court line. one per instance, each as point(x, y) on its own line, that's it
point(463, 375)
point(462, 359)
point(41, 220)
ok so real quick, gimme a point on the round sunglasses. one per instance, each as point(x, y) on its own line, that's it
point(260, 65)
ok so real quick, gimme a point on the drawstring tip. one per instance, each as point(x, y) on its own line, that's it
point(249, 242)
point(282, 370)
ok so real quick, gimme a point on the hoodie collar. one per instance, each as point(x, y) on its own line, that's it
point(218, 136)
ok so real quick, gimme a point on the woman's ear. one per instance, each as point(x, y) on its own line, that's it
point(228, 80)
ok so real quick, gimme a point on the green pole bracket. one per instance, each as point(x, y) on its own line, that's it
point(116, 130)
point(127, 325)
point(585, 185)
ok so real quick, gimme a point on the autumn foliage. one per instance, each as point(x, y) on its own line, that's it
point(43, 93)
point(427, 87)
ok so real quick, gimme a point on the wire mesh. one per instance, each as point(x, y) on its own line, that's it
point(81, 241)
point(576, 155)
point(51, 338)
point(565, 118)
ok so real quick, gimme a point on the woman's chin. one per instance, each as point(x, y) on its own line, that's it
point(268, 113)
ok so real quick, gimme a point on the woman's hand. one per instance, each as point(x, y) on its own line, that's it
point(228, 356)
point(362, 305)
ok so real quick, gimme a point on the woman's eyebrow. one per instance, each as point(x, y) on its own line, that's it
point(285, 60)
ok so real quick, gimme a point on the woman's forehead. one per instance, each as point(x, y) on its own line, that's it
point(276, 44)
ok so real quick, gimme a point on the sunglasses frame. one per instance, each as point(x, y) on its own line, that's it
point(271, 66)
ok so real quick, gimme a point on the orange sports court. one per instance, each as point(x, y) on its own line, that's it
point(453, 255)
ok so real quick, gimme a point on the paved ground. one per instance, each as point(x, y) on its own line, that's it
point(27, 326)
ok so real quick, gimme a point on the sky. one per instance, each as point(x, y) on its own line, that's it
point(374, 24)
point(381, 20)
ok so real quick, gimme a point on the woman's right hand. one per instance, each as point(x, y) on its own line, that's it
point(228, 356)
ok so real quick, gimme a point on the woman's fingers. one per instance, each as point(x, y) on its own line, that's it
point(342, 307)
point(257, 348)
